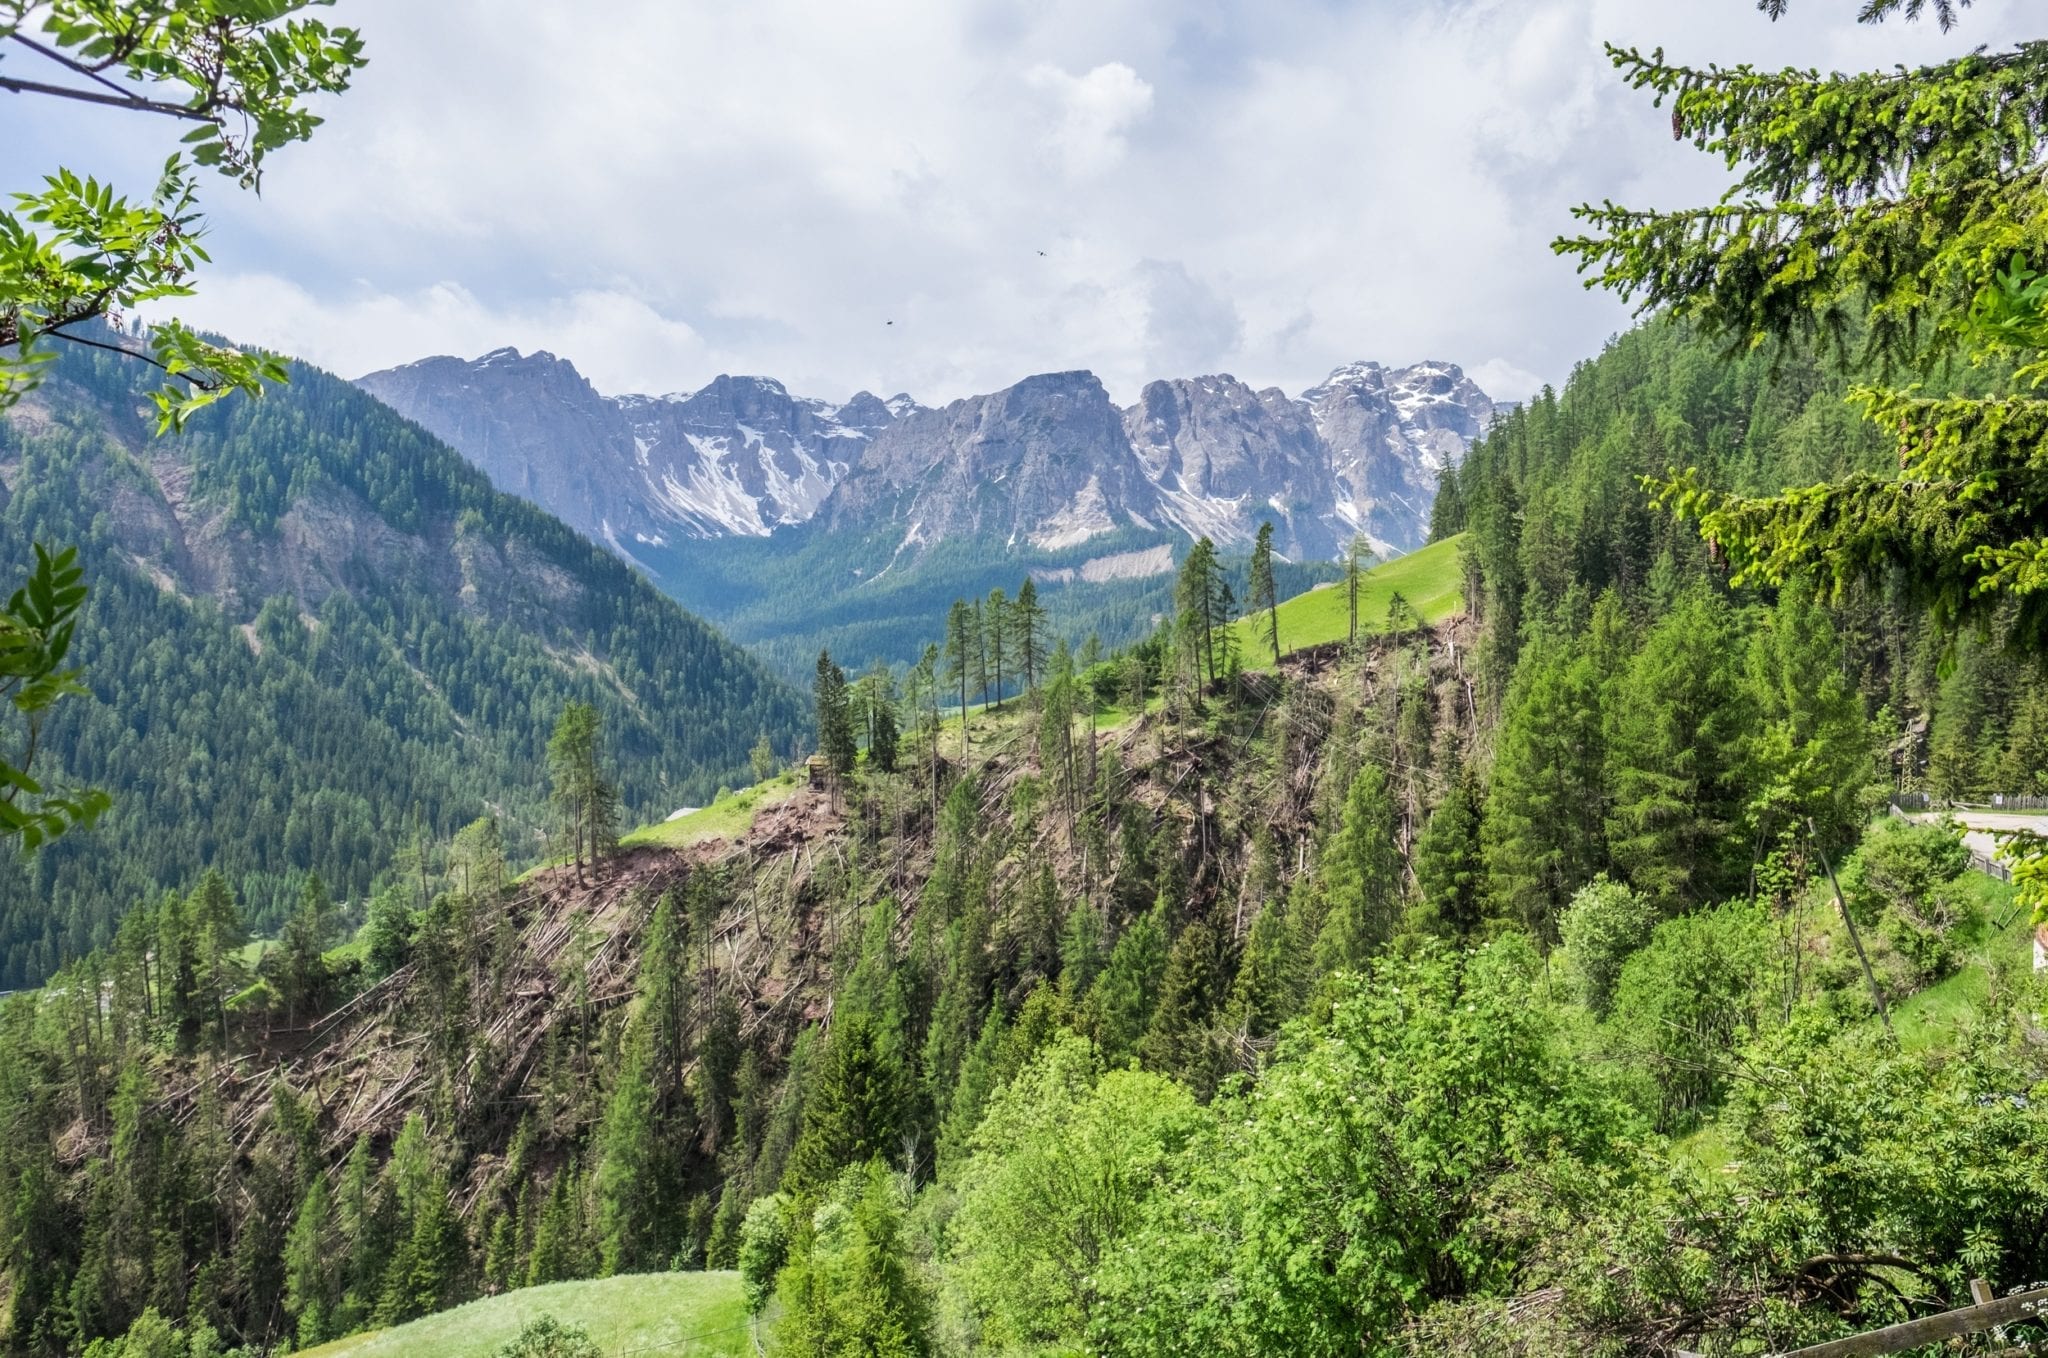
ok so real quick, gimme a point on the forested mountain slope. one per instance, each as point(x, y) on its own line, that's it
point(1554, 506)
point(688, 1059)
point(316, 633)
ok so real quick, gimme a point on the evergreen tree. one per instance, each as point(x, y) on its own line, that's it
point(962, 998)
point(1450, 867)
point(1027, 632)
point(854, 1111)
point(559, 1251)
point(722, 1251)
point(762, 759)
point(1447, 511)
point(2023, 764)
point(364, 1212)
point(961, 646)
point(718, 1073)
point(1270, 979)
point(1264, 599)
point(979, 624)
point(997, 627)
point(301, 971)
point(1081, 950)
point(1193, 641)
point(311, 1278)
point(836, 738)
point(476, 860)
point(1121, 1003)
point(1361, 871)
point(1357, 557)
point(1816, 752)
point(214, 933)
point(1544, 826)
point(631, 1171)
point(921, 696)
point(1057, 750)
point(583, 791)
point(1179, 1041)
point(1678, 737)
point(427, 1271)
point(874, 699)
point(976, 1080)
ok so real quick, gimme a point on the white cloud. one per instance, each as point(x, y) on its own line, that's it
point(1092, 113)
point(617, 341)
point(1143, 189)
point(1504, 381)
point(1190, 327)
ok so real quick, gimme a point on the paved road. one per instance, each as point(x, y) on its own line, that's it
point(1980, 827)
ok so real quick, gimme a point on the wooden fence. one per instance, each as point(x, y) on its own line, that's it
point(1985, 1313)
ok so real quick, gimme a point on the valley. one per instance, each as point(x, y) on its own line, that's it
point(1106, 863)
point(795, 523)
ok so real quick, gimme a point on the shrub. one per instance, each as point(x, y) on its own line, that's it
point(1605, 924)
point(764, 1245)
point(546, 1337)
point(1686, 1000)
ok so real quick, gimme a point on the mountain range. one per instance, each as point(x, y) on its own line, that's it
point(1050, 463)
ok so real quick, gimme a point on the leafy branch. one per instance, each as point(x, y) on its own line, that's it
point(77, 252)
point(35, 638)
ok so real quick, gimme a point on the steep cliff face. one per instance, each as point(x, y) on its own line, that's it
point(534, 426)
point(1225, 458)
point(743, 456)
point(1042, 464)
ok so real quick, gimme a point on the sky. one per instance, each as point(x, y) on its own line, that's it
point(941, 197)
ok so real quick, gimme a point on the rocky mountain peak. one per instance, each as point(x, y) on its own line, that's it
point(738, 456)
point(1049, 461)
point(1044, 461)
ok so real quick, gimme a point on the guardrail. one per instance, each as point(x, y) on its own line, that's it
point(1997, 801)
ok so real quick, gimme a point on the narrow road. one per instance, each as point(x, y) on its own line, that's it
point(1980, 828)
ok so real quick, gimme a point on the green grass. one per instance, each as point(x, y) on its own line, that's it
point(1430, 580)
point(704, 1310)
point(1930, 1018)
point(1705, 1147)
point(729, 816)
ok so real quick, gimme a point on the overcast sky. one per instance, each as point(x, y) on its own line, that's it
point(1146, 188)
